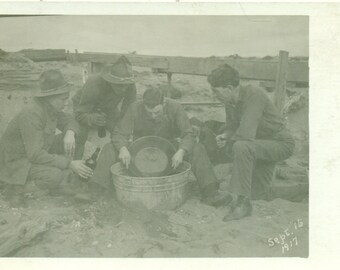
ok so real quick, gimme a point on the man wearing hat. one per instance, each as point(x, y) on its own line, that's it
point(30, 148)
point(255, 137)
point(163, 117)
point(96, 104)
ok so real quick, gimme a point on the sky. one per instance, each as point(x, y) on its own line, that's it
point(159, 35)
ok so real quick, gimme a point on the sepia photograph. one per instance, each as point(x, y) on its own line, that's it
point(154, 136)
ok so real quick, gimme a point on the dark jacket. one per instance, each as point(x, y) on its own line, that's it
point(98, 95)
point(254, 116)
point(28, 139)
point(137, 122)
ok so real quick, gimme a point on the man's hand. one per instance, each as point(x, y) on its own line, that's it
point(221, 140)
point(98, 119)
point(69, 143)
point(177, 159)
point(124, 156)
point(79, 167)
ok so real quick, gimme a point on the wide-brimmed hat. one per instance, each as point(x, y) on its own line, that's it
point(118, 73)
point(52, 82)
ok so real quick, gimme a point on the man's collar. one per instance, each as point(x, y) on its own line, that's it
point(51, 112)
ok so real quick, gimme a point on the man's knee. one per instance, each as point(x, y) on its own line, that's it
point(242, 149)
point(48, 178)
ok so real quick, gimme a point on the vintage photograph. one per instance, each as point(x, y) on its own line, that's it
point(154, 136)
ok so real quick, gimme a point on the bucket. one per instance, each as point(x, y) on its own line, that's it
point(154, 193)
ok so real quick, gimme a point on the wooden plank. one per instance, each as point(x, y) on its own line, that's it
point(20, 236)
point(158, 62)
point(248, 69)
point(271, 84)
point(281, 77)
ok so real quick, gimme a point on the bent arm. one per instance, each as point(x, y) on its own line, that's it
point(32, 132)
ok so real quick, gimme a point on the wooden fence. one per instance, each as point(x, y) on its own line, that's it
point(272, 73)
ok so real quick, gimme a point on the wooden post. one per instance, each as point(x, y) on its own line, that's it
point(281, 77)
point(76, 56)
point(169, 75)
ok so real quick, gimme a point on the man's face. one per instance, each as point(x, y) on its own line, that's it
point(59, 102)
point(120, 89)
point(225, 95)
point(156, 112)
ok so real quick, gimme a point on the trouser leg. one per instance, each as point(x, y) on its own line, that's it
point(243, 163)
point(80, 142)
point(202, 168)
point(245, 153)
point(102, 172)
point(263, 174)
point(48, 178)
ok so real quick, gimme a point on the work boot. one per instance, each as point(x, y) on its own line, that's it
point(212, 197)
point(74, 187)
point(242, 208)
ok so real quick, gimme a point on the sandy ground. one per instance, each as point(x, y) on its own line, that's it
point(276, 228)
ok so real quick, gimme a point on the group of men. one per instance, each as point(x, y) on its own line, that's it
point(254, 136)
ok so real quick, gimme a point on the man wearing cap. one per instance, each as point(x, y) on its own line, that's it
point(163, 117)
point(96, 104)
point(255, 137)
point(30, 148)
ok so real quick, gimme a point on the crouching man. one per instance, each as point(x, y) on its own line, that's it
point(96, 104)
point(255, 137)
point(158, 116)
point(29, 148)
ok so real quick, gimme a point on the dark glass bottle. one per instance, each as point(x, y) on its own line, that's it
point(92, 161)
point(101, 132)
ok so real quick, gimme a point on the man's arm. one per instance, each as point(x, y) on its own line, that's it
point(129, 98)
point(86, 104)
point(252, 112)
point(186, 131)
point(124, 129)
point(114, 115)
point(67, 122)
point(32, 132)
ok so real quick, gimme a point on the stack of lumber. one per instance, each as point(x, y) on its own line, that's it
point(18, 73)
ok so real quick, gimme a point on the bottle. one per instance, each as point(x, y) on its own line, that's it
point(101, 132)
point(92, 161)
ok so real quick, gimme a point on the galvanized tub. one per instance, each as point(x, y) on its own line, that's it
point(154, 193)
